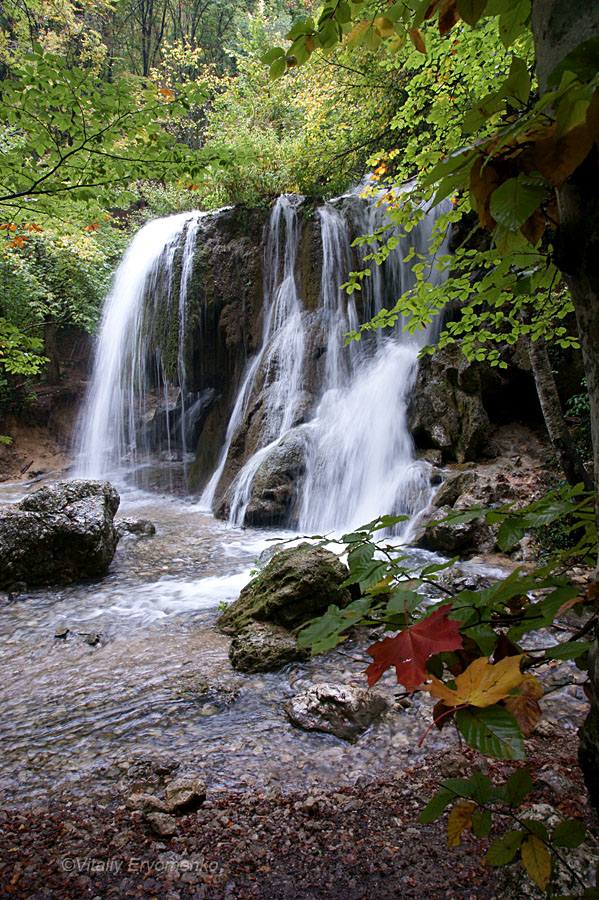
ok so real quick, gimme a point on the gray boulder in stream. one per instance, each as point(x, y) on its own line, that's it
point(59, 533)
point(296, 585)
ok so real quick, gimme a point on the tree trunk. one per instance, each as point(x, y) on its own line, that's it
point(561, 440)
point(559, 26)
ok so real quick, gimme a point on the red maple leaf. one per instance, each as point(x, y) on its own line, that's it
point(411, 648)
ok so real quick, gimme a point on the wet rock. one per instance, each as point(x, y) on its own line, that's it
point(161, 823)
point(455, 538)
point(262, 647)
point(147, 803)
point(92, 638)
point(59, 533)
point(62, 633)
point(185, 794)
point(295, 586)
point(336, 709)
point(447, 411)
point(277, 482)
point(135, 526)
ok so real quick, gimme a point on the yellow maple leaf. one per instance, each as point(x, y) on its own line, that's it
point(481, 684)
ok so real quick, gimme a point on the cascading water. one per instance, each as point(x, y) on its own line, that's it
point(343, 411)
point(110, 436)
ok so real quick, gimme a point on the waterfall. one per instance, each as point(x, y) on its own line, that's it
point(109, 433)
point(319, 427)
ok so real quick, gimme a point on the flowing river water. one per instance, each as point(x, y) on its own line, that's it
point(158, 687)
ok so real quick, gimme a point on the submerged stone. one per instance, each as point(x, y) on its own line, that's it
point(337, 709)
point(59, 533)
point(296, 585)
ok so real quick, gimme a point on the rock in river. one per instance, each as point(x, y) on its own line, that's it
point(336, 709)
point(296, 585)
point(264, 648)
point(59, 533)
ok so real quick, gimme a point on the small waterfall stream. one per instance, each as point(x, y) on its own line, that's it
point(343, 409)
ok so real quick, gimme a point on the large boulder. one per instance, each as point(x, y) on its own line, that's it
point(447, 411)
point(264, 648)
point(296, 585)
point(59, 533)
point(337, 709)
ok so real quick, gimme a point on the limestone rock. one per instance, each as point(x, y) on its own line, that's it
point(147, 803)
point(337, 709)
point(262, 647)
point(161, 823)
point(296, 585)
point(447, 411)
point(185, 794)
point(59, 533)
point(455, 538)
point(276, 483)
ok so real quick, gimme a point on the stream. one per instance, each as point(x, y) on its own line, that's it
point(158, 687)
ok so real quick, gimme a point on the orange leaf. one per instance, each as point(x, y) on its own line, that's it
point(417, 39)
point(482, 684)
point(484, 179)
point(448, 16)
point(569, 604)
point(534, 227)
point(409, 650)
point(166, 92)
point(557, 157)
point(525, 706)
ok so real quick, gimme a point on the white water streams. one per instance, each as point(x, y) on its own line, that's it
point(117, 399)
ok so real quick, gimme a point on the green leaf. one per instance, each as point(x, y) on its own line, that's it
point(517, 85)
point(512, 23)
point(435, 807)
point(518, 786)
point(536, 828)
point(272, 54)
point(510, 532)
point(493, 731)
point(471, 10)
point(569, 650)
point(278, 68)
point(569, 834)
point(482, 822)
point(513, 202)
point(503, 850)
point(583, 61)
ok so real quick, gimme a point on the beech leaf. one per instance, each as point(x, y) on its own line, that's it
point(482, 684)
point(537, 860)
point(460, 818)
point(525, 706)
point(493, 731)
point(411, 648)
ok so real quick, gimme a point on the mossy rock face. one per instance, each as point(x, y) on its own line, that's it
point(296, 585)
